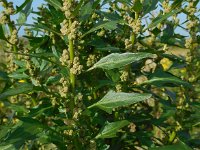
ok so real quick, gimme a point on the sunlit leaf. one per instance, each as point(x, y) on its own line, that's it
point(118, 99)
point(116, 60)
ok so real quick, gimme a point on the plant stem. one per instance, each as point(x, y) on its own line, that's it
point(71, 53)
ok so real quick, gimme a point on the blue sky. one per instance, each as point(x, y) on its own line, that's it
point(37, 3)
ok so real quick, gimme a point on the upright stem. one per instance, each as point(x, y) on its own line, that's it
point(71, 53)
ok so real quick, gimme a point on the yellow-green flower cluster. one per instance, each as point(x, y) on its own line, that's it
point(70, 30)
point(67, 8)
point(166, 6)
point(64, 59)
point(149, 66)
point(13, 37)
point(118, 87)
point(190, 8)
point(11, 66)
point(140, 79)
point(76, 67)
point(124, 76)
point(64, 88)
point(135, 24)
point(91, 60)
point(9, 10)
point(188, 43)
point(128, 44)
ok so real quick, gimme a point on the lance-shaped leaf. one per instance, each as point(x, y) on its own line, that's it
point(110, 129)
point(161, 18)
point(118, 99)
point(179, 145)
point(56, 4)
point(22, 88)
point(108, 25)
point(160, 78)
point(116, 60)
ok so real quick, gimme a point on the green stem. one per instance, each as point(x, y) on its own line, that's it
point(71, 55)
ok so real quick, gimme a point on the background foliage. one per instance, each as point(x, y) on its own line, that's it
point(100, 75)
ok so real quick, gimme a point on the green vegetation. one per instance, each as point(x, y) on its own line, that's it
point(93, 75)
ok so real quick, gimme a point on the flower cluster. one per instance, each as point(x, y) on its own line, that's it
point(166, 6)
point(190, 8)
point(140, 79)
point(91, 60)
point(64, 88)
point(135, 24)
point(149, 66)
point(124, 76)
point(76, 68)
point(67, 8)
point(4, 18)
point(128, 44)
point(64, 59)
point(13, 37)
point(70, 30)
point(9, 10)
point(188, 43)
point(11, 66)
point(118, 87)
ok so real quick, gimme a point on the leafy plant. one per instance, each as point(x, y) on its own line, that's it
point(94, 75)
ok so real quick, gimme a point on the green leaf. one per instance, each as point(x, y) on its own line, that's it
point(7, 147)
point(137, 6)
point(176, 3)
point(161, 78)
point(178, 146)
point(21, 88)
point(22, 18)
point(25, 130)
point(2, 36)
point(3, 76)
point(18, 108)
point(114, 100)
point(16, 75)
point(108, 25)
point(86, 11)
point(27, 2)
point(116, 60)
point(149, 5)
point(55, 3)
point(110, 129)
point(161, 18)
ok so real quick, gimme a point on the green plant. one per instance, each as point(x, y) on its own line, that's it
point(93, 75)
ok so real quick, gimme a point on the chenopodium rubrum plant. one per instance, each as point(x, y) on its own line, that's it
point(93, 75)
